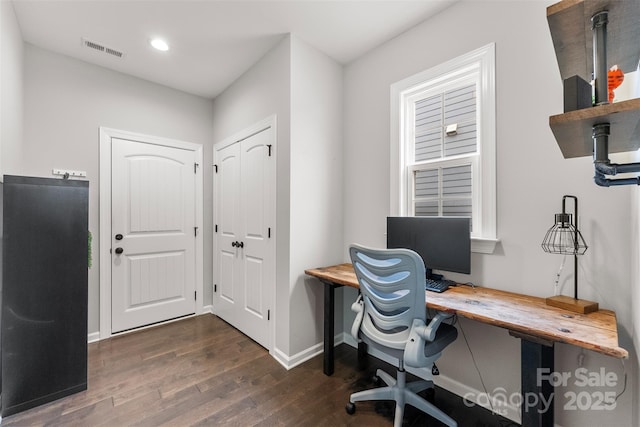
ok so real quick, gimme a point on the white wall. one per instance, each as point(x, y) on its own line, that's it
point(262, 91)
point(11, 91)
point(67, 100)
point(303, 88)
point(316, 187)
point(532, 178)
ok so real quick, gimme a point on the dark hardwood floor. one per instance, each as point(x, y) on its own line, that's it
point(202, 372)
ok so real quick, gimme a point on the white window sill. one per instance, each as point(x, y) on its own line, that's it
point(483, 245)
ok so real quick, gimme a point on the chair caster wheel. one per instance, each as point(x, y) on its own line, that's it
point(350, 408)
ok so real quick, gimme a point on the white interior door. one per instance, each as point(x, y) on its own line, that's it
point(244, 214)
point(153, 233)
point(227, 222)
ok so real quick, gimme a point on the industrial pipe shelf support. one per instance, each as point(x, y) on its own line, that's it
point(601, 132)
point(603, 165)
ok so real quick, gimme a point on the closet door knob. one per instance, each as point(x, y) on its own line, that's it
point(119, 251)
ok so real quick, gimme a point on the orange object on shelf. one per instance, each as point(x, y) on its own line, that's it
point(615, 76)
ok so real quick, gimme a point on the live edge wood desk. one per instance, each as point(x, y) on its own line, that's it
point(538, 326)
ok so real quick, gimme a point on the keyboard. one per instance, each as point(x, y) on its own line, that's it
point(438, 285)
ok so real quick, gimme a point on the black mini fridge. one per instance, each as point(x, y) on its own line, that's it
point(43, 326)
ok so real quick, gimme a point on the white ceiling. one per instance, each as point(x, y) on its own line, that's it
point(212, 42)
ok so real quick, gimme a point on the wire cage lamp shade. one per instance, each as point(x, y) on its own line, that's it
point(564, 238)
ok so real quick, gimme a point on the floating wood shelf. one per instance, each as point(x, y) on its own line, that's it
point(570, 26)
point(573, 129)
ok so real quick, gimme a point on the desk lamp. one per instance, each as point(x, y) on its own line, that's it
point(565, 238)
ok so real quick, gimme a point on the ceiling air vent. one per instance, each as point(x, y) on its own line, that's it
point(102, 48)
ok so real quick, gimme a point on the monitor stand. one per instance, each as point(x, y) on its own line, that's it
point(433, 276)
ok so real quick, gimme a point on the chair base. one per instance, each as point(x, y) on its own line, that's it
point(402, 393)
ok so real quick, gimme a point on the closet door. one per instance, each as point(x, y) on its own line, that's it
point(244, 199)
point(227, 294)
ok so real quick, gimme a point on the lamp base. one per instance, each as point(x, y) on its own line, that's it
point(572, 304)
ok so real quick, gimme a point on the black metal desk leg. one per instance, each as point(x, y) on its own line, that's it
point(363, 360)
point(329, 311)
point(537, 391)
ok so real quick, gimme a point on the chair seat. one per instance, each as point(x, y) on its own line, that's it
point(445, 335)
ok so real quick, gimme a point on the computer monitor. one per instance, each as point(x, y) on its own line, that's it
point(444, 243)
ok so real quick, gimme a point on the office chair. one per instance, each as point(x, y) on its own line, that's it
point(391, 317)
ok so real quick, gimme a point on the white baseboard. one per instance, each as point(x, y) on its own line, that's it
point(475, 397)
point(207, 309)
point(93, 337)
point(289, 362)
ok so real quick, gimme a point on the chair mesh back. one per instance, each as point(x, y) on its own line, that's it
point(392, 286)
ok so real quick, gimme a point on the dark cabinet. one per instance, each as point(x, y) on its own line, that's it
point(44, 290)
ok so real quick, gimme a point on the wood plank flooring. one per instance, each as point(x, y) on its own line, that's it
point(202, 372)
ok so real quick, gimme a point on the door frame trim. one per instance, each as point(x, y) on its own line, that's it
point(106, 135)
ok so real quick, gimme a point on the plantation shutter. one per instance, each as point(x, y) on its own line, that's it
point(443, 187)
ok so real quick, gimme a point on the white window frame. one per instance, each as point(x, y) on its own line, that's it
point(479, 64)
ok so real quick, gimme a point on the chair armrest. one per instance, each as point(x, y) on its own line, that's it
point(429, 332)
point(357, 307)
point(414, 351)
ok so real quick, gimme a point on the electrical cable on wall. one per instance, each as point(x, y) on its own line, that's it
point(556, 286)
point(624, 385)
point(484, 387)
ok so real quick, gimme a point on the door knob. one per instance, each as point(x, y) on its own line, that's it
point(240, 244)
point(119, 251)
point(234, 244)
point(118, 236)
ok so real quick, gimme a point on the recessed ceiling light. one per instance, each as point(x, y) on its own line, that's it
point(159, 44)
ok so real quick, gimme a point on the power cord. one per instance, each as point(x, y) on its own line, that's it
point(624, 372)
point(470, 284)
point(484, 387)
point(556, 286)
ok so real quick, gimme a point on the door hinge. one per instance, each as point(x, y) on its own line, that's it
point(215, 288)
point(195, 167)
point(215, 168)
point(216, 228)
point(269, 147)
point(269, 232)
point(268, 314)
point(195, 231)
point(195, 295)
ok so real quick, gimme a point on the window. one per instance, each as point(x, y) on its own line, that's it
point(443, 144)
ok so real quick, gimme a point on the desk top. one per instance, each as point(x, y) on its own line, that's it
point(522, 314)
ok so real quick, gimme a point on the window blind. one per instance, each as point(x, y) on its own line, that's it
point(433, 114)
point(443, 191)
